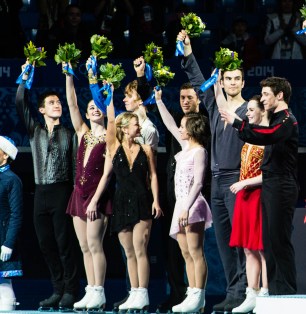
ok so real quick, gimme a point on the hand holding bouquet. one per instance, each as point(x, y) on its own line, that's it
point(101, 46)
point(227, 60)
point(67, 53)
point(153, 55)
point(113, 74)
point(303, 11)
point(163, 75)
point(193, 25)
point(35, 55)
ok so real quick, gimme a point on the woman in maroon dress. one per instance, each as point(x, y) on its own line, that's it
point(89, 204)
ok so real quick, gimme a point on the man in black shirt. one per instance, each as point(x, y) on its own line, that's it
point(279, 186)
point(52, 150)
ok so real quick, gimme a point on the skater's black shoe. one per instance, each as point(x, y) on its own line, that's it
point(165, 307)
point(66, 302)
point(116, 304)
point(220, 307)
point(232, 304)
point(50, 303)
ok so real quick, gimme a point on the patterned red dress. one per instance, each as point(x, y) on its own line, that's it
point(247, 219)
point(87, 179)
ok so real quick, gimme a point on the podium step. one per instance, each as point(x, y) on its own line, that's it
point(281, 304)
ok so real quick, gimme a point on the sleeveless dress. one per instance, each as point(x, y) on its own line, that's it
point(247, 218)
point(133, 198)
point(183, 180)
point(87, 180)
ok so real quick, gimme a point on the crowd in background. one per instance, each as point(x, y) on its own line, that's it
point(257, 29)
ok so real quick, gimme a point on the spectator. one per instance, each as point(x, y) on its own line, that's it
point(50, 12)
point(70, 30)
point(112, 17)
point(147, 24)
point(11, 219)
point(12, 37)
point(280, 32)
point(241, 41)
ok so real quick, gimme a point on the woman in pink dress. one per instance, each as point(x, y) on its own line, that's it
point(89, 203)
point(191, 214)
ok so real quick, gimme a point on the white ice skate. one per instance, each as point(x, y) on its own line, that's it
point(126, 305)
point(97, 300)
point(141, 300)
point(8, 304)
point(177, 308)
point(264, 292)
point(81, 305)
point(248, 304)
point(196, 302)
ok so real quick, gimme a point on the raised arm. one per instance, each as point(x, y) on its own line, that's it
point(191, 68)
point(168, 119)
point(111, 138)
point(22, 105)
point(219, 95)
point(78, 123)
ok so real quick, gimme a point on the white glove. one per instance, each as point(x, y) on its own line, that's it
point(6, 253)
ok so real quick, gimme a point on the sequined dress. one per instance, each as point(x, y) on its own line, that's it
point(184, 178)
point(247, 218)
point(133, 198)
point(87, 179)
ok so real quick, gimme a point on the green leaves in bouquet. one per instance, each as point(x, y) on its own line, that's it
point(113, 74)
point(193, 25)
point(68, 53)
point(34, 54)
point(303, 11)
point(101, 46)
point(226, 59)
point(153, 55)
point(162, 74)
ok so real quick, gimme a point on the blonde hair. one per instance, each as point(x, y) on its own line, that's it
point(122, 121)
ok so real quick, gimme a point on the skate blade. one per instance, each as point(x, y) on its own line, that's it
point(47, 309)
point(94, 311)
point(144, 310)
point(200, 311)
point(65, 310)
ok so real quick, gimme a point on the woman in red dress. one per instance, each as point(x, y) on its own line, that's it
point(247, 219)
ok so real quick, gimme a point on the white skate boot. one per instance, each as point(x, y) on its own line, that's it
point(141, 300)
point(8, 304)
point(97, 300)
point(177, 308)
point(126, 305)
point(81, 305)
point(248, 304)
point(196, 301)
point(264, 292)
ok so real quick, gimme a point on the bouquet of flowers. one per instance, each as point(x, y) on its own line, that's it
point(34, 54)
point(113, 74)
point(67, 53)
point(101, 46)
point(226, 59)
point(153, 55)
point(193, 25)
point(303, 11)
point(163, 75)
